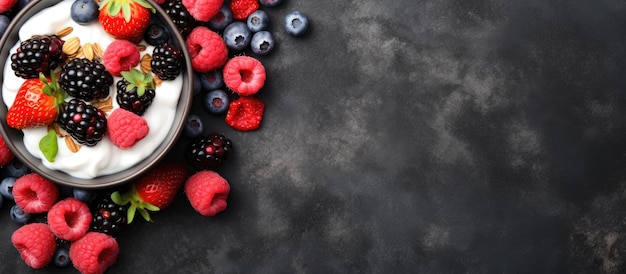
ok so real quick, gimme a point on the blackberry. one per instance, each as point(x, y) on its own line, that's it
point(166, 61)
point(40, 53)
point(181, 17)
point(209, 151)
point(84, 122)
point(86, 79)
point(135, 91)
point(107, 216)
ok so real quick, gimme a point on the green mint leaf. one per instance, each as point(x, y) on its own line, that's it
point(49, 146)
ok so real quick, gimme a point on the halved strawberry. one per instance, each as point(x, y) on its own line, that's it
point(36, 103)
point(125, 19)
point(153, 191)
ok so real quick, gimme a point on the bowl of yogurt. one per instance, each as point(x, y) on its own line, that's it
point(104, 164)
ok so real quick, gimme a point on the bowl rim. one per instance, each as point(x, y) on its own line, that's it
point(10, 37)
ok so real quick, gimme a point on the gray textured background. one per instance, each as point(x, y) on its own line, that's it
point(449, 136)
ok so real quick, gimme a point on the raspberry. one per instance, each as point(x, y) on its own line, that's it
point(203, 10)
point(35, 194)
point(207, 192)
point(69, 219)
point(6, 155)
point(120, 56)
point(94, 252)
point(245, 113)
point(244, 75)
point(35, 243)
point(126, 128)
point(207, 50)
point(243, 8)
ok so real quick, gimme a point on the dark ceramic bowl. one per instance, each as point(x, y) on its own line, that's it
point(14, 138)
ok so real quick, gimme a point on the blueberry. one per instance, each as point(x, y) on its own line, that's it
point(262, 42)
point(237, 36)
point(61, 257)
point(6, 187)
point(222, 19)
point(197, 83)
point(16, 169)
point(84, 195)
point(212, 80)
point(258, 21)
point(270, 3)
point(216, 101)
point(156, 34)
point(18, 215)
point(84, 11)
point(296, 23)
point(193, 126)
point(4, 23)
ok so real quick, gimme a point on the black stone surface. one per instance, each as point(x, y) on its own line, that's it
point(452, 136)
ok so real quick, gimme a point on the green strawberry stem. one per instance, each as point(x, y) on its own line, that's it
point(113, 7)
point(139, 80)
point(136, 204)
point(53, 88)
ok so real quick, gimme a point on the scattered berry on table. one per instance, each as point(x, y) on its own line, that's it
point(197, 83)
point(94, 253)
point(194, 126)
point(245, 113)
point(296, 23)
point(18, 215)
point(166, 61)
point(126, 128)
point(4, 23)
point(120, 55)
point(83, 195)
point(156, 34)
point(108, 217)
point(35, 243)
point(244, 75)
point(180, 16)
point(38, 54)
point(222, 19)
point(216, 101)
point(34, 193)
point(258, 21)
point(16, 169)
point(61, 257)
point(243, 8)
point(270, 3)
point(203, 10)
point(207, 50)
point(262, 42)
point(6, 187)
point(6, 155)
point(84, 122)
point(209, 152)
point(85, 79)
point(207, 192)
point(125, 19)
point(136, 91)
point(237, 36)
point(211, 80)
point(84, 12)
point(69, 219)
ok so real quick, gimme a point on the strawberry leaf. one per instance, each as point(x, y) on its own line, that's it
point(126, 12)
point(49, 146)
point(130, 213)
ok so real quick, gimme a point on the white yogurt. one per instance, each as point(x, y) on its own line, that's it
point(103, 158)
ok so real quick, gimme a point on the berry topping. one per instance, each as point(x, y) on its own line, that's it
point(6, 155)
point(125, 19)
point(135, 91)
point(156, 34)
point(244, 75)
point(35, 243)
point(126, 128)
point(216, 101)
point(296, 23)
point(245, 113)
point(166, 61)
point(203, 10)
point(94, 253)
point(6, 187)
point(34, 193)
point(237, 36)
point(69, 219)
point(38, 54)
point(207, 192)
point(207, 50)
point(86, 79)
point(209, 152)
point(108, 217)
point(84, 122)
point(36, 103)
point(262, 43)
point(84, 12)
point(243, 8)
point(120, 55)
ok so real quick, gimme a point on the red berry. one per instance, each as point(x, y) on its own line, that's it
point(35, 243)
point(6, 5)
point(94, 253)
point(244, 75)
point(6, 155)
point(69, 219)
point(126, 128)
point(207, 192)
point(245, 113)
point(203, 10)
point(207, 50)
point(243, 8)
point(34, 193)
point(120, 55)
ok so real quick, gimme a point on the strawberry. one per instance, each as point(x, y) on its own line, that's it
point(125, 19)
point(153, 191)
point(36, 103)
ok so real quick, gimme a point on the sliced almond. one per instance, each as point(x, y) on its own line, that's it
point(88, 51)
point(141, 47)
point(157, 81)
point(106, 105)
point(145, 63)
point(97, 50)
point(64, 31)
point(71, 46)
point(71, 144)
